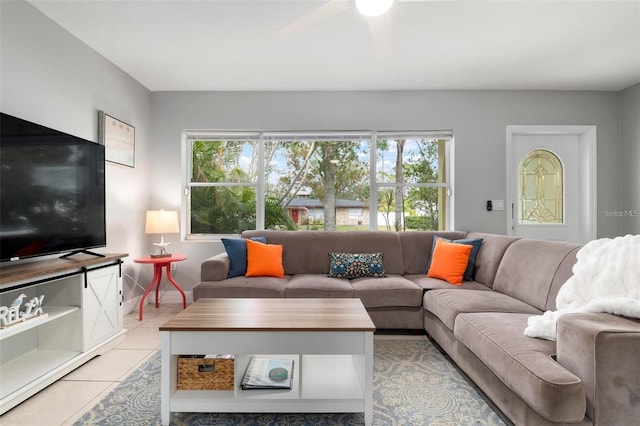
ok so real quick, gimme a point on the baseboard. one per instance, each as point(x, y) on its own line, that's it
point(130, 305)
point(169, 296)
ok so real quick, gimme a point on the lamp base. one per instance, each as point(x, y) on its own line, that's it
point(155, 256)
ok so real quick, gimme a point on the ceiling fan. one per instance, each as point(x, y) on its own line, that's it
point(374, 10)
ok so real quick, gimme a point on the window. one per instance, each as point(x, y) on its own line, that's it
point(317, 180)
point(355, 213)
point(541, 188)
point(411, 181)
point(223, 185)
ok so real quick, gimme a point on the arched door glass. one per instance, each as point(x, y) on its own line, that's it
point(541, 197)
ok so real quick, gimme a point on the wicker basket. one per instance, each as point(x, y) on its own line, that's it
point(200, 373)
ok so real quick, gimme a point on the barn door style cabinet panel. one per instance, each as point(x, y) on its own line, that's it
point(65, 312)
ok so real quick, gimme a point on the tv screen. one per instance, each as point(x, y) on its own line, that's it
point(52, 191)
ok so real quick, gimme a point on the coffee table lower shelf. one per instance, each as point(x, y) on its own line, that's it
point(328, 383)
point(339, 379)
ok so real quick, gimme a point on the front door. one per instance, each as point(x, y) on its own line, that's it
point(551, 189)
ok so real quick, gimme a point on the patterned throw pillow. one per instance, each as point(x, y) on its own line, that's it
point(356, 265)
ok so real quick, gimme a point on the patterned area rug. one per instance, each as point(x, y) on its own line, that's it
point(413, 384)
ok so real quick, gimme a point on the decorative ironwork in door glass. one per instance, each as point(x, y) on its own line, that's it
point(541, 188)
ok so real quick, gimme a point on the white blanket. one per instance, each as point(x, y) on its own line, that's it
point(606, 278)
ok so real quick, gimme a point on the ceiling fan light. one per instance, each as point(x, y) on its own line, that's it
point(373, 7)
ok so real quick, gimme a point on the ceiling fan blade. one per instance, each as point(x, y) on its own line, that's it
point(381, 36)
point(322, 13)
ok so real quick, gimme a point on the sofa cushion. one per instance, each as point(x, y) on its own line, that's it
point(448, 304)
point(490, 255)
point(394, 290)
point(306, 252)
point(524, 364)
point(528, 268)
point(242, 287)
point(417, 247)
point(449, 261)
point(434, 283)
point(356, 265)
point(318, 285)
point(236, 249)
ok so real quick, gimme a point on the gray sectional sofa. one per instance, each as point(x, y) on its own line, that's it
point(589, 376)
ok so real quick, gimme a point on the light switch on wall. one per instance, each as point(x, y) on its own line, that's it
point(498, 204)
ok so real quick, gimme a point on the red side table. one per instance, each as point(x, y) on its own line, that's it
point(158, 264)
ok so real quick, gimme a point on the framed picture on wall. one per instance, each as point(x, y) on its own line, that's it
point(118, 138)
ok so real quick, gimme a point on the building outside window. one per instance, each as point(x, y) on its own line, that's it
point(236, 181)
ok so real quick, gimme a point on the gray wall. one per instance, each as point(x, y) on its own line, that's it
point(477, 118)
point(51, 78)
point(630, 161)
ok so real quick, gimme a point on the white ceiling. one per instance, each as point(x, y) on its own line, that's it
point(474, 44)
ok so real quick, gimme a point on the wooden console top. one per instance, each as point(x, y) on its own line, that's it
point(38, 268)
point(272, 315)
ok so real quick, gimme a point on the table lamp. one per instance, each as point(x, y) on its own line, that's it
point(162, 222)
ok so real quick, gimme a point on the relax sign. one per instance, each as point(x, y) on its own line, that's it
point(13, 314)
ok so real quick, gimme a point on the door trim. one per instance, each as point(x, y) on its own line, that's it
point(588, 179)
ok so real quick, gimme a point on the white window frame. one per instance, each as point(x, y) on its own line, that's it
point(188, 136)
point(373, 197)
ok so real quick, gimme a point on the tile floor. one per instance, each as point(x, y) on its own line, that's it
point(65, 401)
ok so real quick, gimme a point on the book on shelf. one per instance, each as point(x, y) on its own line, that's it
point(268, 373)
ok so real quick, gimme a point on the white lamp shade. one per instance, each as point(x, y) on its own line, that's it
point(373, 7)
point(162, 222)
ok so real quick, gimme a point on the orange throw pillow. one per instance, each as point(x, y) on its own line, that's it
point(449, 261)
point(264, 260)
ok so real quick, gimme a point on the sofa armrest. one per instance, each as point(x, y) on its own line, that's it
point(215, 268)
point(602, 350)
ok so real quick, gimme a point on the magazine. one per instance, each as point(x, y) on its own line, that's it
point(268, 373)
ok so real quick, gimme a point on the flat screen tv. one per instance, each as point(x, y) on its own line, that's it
point(52, 191)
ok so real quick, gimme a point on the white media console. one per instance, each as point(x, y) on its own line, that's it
point(82, 319)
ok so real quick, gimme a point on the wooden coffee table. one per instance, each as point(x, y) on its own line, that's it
point(330, 341)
